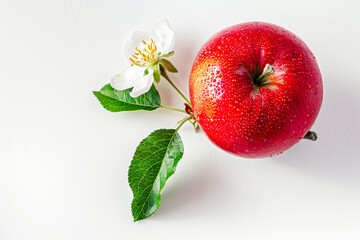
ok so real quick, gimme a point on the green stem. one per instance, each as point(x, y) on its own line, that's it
point(164, 74)
point(183, 121)
point(173, 109)
point(182, 95)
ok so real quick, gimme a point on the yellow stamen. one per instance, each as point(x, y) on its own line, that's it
point(134, 62)
point(146, 56)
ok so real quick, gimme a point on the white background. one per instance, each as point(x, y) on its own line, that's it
point(64, 159)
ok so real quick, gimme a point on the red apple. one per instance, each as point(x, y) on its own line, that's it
point(255, 89)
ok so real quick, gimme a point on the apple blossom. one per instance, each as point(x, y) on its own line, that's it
point(145, 52)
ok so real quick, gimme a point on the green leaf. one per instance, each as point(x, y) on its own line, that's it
point(168, 65)
point(118, 101)
point(154, 161)
point(168, 54)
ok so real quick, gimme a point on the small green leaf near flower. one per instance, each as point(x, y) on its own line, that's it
point(117, 101)
point(168, 65)
point(168, 54)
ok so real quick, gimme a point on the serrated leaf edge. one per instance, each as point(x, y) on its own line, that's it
point(153, 107)
point(162, 162)
point(136, 104)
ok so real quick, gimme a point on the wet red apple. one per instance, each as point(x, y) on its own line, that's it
point(255, 89)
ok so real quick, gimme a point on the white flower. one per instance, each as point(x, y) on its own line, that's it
point(143, 51)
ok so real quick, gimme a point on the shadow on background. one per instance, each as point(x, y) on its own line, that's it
point(201, 187)
point(336, 154)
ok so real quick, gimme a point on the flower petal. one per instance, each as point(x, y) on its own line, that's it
point(134, 40)
point(143, 85)
point(163, 35)
point(127, 79)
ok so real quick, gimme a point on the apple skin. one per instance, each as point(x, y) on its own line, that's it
point(247, 118)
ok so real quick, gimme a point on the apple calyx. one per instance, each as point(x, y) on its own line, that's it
point(310, 135)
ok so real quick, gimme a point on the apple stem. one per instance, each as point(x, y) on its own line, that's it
point(184, 120)
point(310, 135)
point(267, 70)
